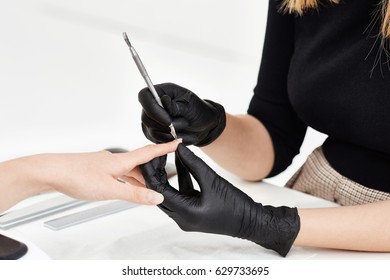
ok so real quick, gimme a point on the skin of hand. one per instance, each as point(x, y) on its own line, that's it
point(198, 122)
point(244, 148)
point(219, 207)
point(87, 176)
point(363, 227)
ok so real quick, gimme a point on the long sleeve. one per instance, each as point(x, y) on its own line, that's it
point(270, 103)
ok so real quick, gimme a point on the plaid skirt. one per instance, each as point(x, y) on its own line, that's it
point(318, 178)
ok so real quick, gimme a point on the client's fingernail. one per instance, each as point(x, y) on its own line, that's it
point(155, 198)
point(180, 140)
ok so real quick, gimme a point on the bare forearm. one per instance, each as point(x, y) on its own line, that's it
point(362, 228)
point(18, 181)
point(244, 148)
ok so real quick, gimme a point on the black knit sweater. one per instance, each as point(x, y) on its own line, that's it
point(328, 70)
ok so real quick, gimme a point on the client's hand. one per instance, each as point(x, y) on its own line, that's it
point(219, 207)
point(88, 176)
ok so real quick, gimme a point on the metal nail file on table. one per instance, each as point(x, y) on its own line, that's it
point(38, 211)
point(146, 77)
point(89, 214)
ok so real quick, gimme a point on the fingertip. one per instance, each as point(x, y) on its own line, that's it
point(142, 94)
point(143, 195)
point(177, 142)
point(155, 198)
point(195, 165)
point(172, 145)
point(166, 100)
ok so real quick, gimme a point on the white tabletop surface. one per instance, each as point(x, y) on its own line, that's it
point(145, 232)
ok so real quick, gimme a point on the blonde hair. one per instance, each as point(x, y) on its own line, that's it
point(300, 6)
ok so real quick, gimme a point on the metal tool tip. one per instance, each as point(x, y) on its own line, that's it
point(126, 39)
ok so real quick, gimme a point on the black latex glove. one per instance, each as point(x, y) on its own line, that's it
point(198, 122)
point(219, 207)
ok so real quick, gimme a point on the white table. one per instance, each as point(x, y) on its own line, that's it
point(145, 232)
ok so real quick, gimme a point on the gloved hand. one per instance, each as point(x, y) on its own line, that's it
point(219, 207)
point(198, 122)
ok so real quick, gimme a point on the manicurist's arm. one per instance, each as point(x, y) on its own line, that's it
point(244, 148)
point(362, 227)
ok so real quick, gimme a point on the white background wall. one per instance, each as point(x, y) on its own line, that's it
point(68, 83)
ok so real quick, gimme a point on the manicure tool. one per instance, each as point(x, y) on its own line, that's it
point(146, 77)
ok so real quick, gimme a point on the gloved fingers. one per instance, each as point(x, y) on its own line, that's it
point(152, 108)
point(181, 124)
point(172, 90)
point(202, 173)
point(156, 179)
point(166, 100)
point(154, 174)
point(188, 138)
point(151, 122)
point(175, 201)
point(156, 135)
point(175, 107)
point(183, 131)
point(184, 178)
